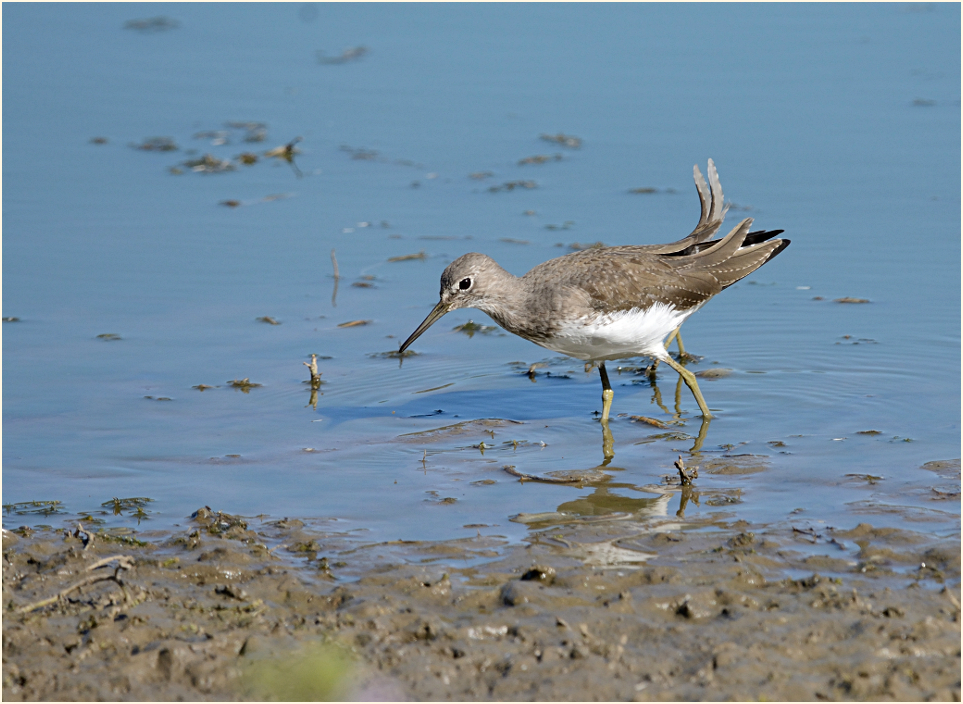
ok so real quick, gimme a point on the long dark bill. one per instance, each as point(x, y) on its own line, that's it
point(438, 311)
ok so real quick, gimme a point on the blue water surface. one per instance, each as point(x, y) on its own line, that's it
point(839, 123)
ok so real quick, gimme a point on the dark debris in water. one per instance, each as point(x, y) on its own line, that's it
point(157, 144)
point(564, 476)
point(471, 327)
point(649, 421)
point(435, 499)
point(867, 478)
point(393, 354)
point(468, 427)
point(714, 373)
point(285, 152)
point(133, 506)
point(11, 319)
point(244, 384)
point(539, 159)
point(267, 319)
point(512, 185)
point(232, 458)
point(152, 25)
point(210, 164)
point(353, 53)
point(848, 340)
point(850, 299)
point(40, 508)
point(409, 257)
point(109, 336)
point(648, 190)
point(566, 140)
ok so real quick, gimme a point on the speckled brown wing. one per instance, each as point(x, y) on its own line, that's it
point(614, 279)
point(730, 260)
point(618, 278)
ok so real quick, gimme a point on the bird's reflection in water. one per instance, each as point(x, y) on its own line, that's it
point(608, 440)
point(606, 501)
point(607, 498)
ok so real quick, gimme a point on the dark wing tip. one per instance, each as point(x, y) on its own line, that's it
point(782, 245)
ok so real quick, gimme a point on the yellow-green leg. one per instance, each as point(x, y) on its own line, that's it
point(674, 335)
point(608, 443)
point(690, 381)
point(703, 429)
point(607, 393)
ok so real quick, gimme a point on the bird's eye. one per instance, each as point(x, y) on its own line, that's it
point(464, 284)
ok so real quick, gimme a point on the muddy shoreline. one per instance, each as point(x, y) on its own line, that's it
point(599, 610)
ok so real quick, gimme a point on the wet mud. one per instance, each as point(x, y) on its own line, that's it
point(232, 608)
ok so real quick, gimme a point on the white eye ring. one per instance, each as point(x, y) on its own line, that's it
point(465, 284)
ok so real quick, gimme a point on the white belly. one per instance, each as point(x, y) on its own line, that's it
point(627, 333)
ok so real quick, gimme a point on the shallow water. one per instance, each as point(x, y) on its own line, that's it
point(836, 123)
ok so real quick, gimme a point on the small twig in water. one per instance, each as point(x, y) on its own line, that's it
point(535, 478)
point(686, 476)
point(315, 374)
point(337, 278)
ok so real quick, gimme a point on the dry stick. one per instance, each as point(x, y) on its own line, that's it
point(313, 368)
point(125, 562)
point(534, 478)
point(685, 477)
point(337, 277)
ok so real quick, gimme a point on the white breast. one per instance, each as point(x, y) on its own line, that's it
point(628, 333)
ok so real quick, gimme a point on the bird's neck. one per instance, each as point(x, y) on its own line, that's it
point(507, 303)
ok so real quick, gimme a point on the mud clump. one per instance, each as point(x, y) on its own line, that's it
point(232, 608)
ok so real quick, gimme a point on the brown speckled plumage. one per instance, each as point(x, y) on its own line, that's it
point(588, 289)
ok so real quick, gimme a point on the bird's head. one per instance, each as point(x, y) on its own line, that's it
point(471, 281)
